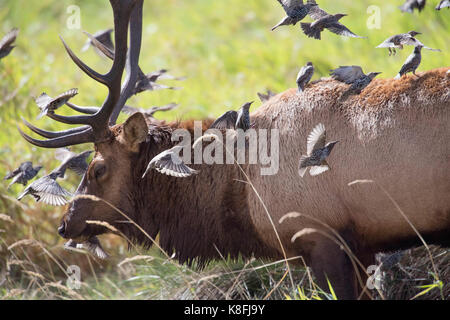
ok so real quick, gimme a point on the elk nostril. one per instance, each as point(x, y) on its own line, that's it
point(62, 229)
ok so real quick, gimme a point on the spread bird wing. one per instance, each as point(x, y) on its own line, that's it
point(93, 245)
point(340, 29)
point(64, 97)
point(9, 38)
point(172, 165)
point(106, 47)
point(77, 163)
point(225, 121)
point(303, 165)
point(317, 13)
point(50, 191)
point(288, 5)
point(130, 110)
point(316, 170)
point(316, 139)
point(62, 154)
point(414, 42)
point(15, 179)
point(388, 43)
point(43, 100)
point(266, 96)
point(153, 110)
point(347, 74)
point(12, 174)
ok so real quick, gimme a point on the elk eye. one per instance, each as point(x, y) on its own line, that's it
point(99, 171)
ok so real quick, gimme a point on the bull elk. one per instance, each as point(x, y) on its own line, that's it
point(396, 133)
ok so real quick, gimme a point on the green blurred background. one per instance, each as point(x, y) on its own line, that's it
point(224, 47)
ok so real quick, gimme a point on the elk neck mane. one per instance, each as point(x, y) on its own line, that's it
point(201, 218)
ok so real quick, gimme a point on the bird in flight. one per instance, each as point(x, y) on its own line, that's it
point(317, 152)
point(169, 163)
point(6, 43)
point(295, 10)
point(404, 39)
point(48, 104)
point(24, 173)
point(323, 20)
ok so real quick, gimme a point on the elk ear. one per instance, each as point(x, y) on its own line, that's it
point(135, 131)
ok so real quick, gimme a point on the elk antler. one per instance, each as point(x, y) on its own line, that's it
point(96, 121)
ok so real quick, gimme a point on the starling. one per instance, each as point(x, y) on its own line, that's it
point(225, 121)
point(104, 37)
point(72, 161)
point(6, 44)
point(295, 11)
point(243, 117)
point(148, 112)
point(410, 5)
point(23, 174)
point(266, 96)
point(443, 4)
point(92, 245)
point(324, 20)
point(412, 62)
point(354, 76)
point(48, 104)
point(147, 82)
point(47, 190)
point(169, 162)
point(317, 152)
point(304, 76)
point(399, 40)
point(144, 82)
point(234, 119)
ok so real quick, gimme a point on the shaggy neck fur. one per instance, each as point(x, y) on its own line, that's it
point(199, 218)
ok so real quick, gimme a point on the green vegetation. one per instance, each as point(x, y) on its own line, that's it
point(228, 53)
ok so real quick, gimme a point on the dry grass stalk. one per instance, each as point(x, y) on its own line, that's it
point(6, 218)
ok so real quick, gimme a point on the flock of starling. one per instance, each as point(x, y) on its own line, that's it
point(297, 10)
point(47, 189)
point(168, 162)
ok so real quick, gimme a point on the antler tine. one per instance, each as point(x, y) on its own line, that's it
point(85, 136)
point(122, 11)
point(85, 110)
point(53, 134)
point(132, 63)
point(90, 72)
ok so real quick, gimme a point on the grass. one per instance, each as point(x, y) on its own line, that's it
point(228, 53)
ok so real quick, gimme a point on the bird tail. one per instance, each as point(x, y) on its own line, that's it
point(23, 194)
point(40, 115)
point(285, 21)
point(302, 166)
point(398, 76)
point(431, 49)
point(309, 31)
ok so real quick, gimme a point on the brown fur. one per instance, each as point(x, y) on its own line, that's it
point(395, 132)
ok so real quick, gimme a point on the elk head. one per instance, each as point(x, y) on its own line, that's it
point(115, 145)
